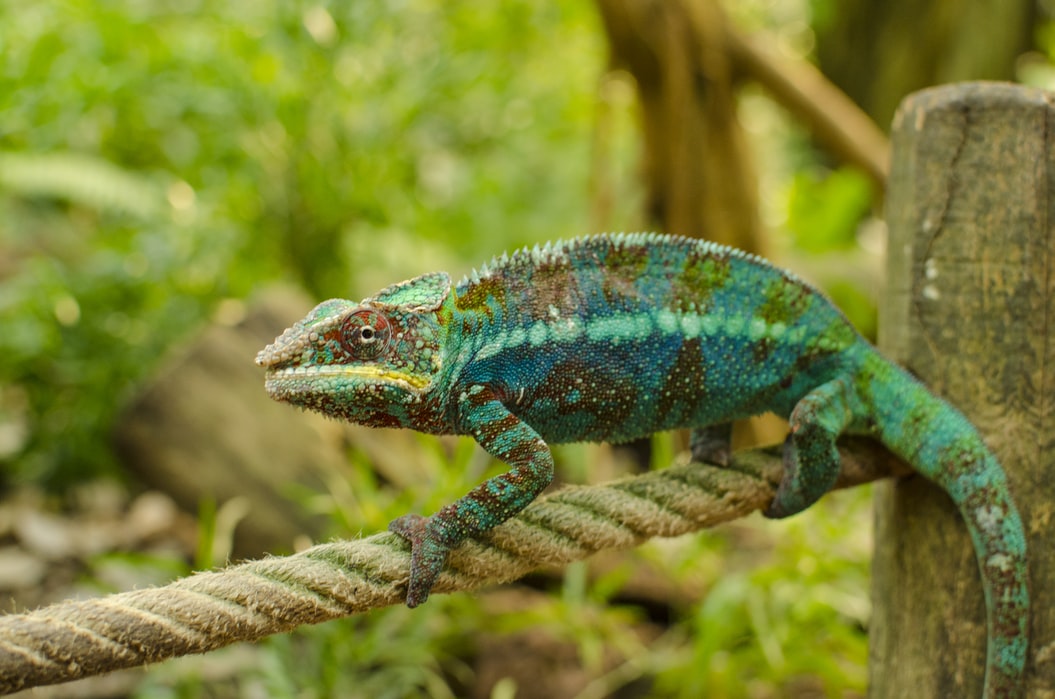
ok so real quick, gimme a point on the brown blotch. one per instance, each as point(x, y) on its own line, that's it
point(476, 296)
point(553, 285)
point(762, 349)
point(688, 364)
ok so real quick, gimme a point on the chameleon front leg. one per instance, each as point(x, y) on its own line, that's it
point(811, 459)
point(504, 436)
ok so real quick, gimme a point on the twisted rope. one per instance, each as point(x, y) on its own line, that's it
point(245, 602)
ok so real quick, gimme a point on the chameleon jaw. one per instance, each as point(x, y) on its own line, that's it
point(279, 377)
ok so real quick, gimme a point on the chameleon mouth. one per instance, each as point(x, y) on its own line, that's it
point(283, 379)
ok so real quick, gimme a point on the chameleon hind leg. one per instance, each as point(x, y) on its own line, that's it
point(811, 459)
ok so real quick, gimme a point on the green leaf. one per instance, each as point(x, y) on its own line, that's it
point(824, 211)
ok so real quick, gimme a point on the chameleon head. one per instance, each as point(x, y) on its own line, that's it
point(370, 362)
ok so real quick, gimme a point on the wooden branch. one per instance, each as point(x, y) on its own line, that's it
point(832, 117)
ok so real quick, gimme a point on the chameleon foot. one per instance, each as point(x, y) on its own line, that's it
point(811, 465)
point(426, 556)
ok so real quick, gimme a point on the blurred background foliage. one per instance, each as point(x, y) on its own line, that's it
point(157, 158)
point(161, 161)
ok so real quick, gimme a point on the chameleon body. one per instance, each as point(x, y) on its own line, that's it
point(615, 337)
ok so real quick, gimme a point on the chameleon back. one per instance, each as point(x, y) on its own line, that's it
point(615, 337)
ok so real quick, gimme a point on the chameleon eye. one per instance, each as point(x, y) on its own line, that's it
point(365, 334)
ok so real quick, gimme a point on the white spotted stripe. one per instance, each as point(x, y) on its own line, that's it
point(628, 327)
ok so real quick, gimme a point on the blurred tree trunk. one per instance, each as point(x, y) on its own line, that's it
point(697, 168)
point(878, 51)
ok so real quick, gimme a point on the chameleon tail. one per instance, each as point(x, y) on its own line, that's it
point(942, 445)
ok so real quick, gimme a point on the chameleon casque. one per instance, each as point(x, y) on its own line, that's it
point(615, 337)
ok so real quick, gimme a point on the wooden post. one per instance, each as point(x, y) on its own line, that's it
point(970, 309)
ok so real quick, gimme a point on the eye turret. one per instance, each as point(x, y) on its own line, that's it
point(366, 334)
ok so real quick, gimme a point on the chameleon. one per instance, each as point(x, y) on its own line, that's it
point(615, 337)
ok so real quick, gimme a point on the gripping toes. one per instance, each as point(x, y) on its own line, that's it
point(811, 459)
point(811, 465)
point(427, 556)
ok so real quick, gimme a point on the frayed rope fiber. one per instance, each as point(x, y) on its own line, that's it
point(244, 602)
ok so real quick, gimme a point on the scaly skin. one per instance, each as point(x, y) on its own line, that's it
point(612, 338)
